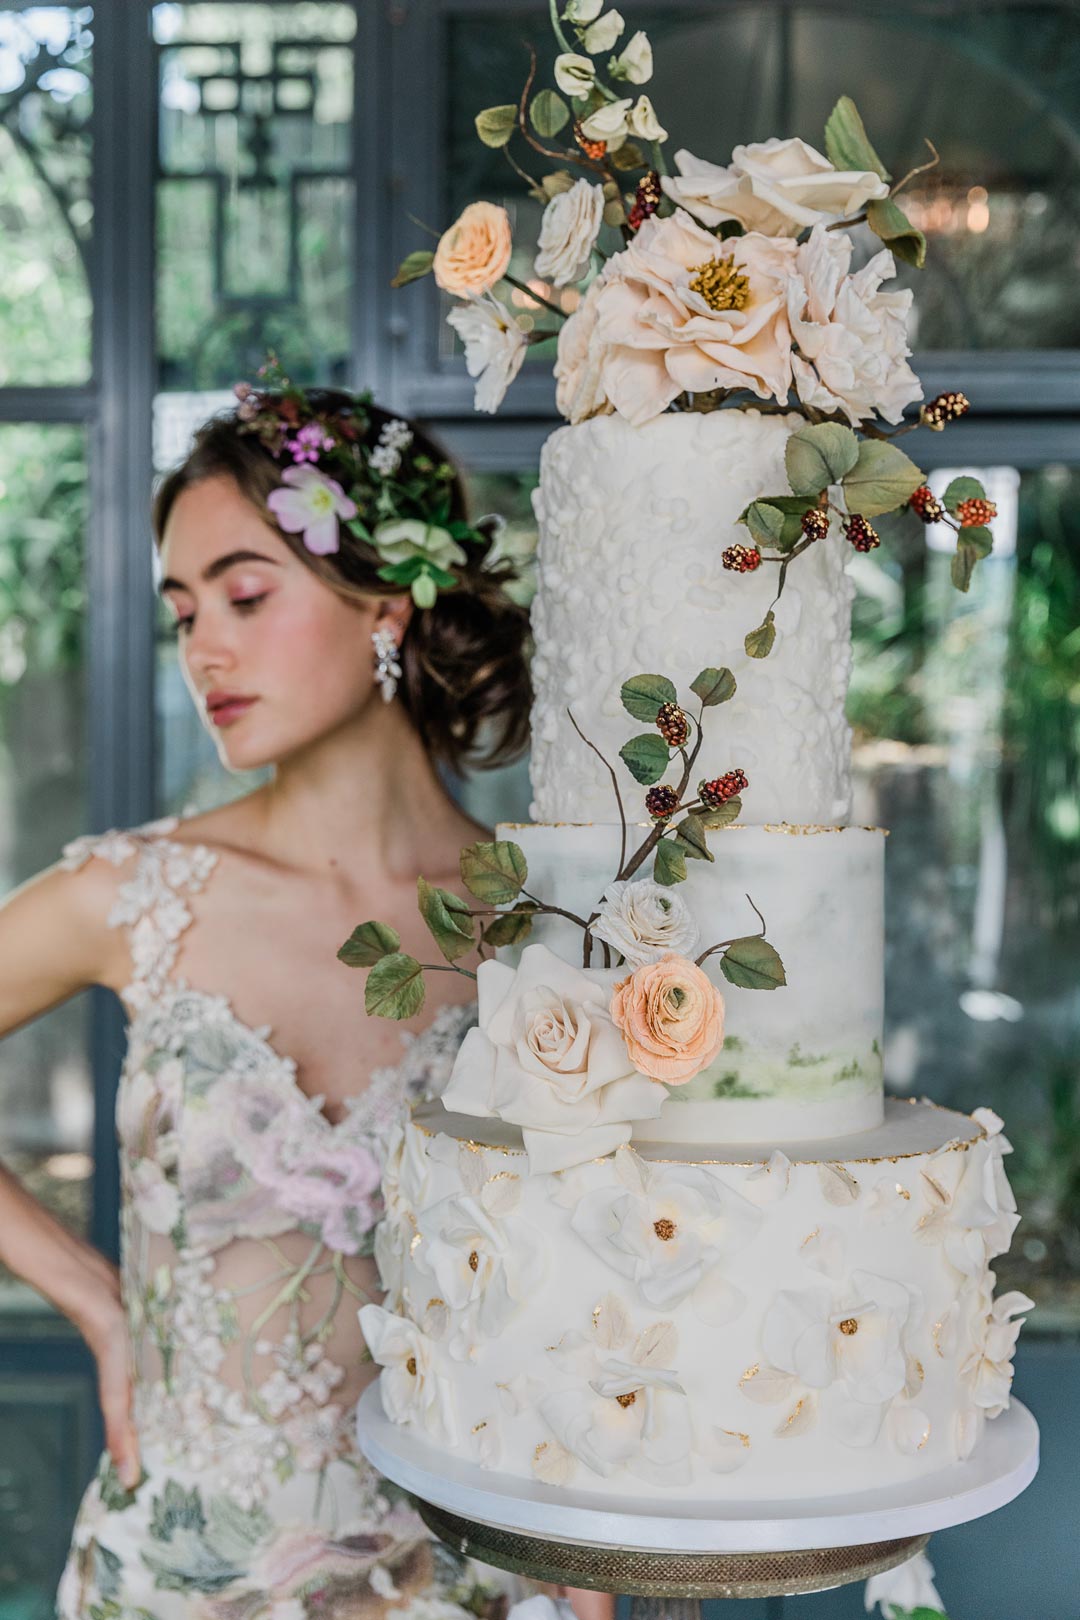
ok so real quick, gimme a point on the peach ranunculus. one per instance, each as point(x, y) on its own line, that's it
point(672, 1018)
point(680, 310)
point(474, 253)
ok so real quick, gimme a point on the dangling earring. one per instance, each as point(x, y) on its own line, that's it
point(387, 668)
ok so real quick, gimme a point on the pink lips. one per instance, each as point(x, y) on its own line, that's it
point(227, 712)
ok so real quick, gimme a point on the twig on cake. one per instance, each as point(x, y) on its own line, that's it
point(724, 943)
point(614, 782)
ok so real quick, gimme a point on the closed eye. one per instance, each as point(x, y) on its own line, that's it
point(246, 604)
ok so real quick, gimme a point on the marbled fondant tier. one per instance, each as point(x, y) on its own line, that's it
point(797, 1062)
point(813, 1320)
point(633, 521)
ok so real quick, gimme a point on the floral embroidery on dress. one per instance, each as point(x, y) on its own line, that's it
point(247, 1223)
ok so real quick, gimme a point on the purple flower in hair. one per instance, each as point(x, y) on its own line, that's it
point(307, 443)
point(311, 504)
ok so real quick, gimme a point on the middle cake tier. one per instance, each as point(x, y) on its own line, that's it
point(798, 1062)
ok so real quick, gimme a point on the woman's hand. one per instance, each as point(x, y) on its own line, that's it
point(108, 1339)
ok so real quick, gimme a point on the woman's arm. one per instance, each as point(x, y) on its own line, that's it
point(54, 942)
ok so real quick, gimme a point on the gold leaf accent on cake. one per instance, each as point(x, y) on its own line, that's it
point(415, 1242)
point(915, 1377)
point(737, 1434)
point(751, 1372)
point(765, 1386)
point(903, 1192)
point(552, 1463)
point(799, 1419)
point(810, 1237)
point(478, 1426)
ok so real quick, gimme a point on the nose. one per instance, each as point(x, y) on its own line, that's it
point(209, 645)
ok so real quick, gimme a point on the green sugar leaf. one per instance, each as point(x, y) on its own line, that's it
point(642, 695)
point(722, 816)
point(847, 145)
point(495, 873)
point(752, 964)
point(962, 489)
point(888, 220)
point(669, 865)
point(549, 113)
point(495, 125)
point(691, 832)
point(395, 987)
point(882, 479)
point(819, 455)
point(713, 686)
point(759, 643)
point(412, 267)
point(368, 944)
point(447, 918)
point(646, 757)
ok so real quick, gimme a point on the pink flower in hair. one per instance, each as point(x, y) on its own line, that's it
point(311, 505)
point(307, 443)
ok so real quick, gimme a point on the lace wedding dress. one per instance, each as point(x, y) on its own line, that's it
point(247, 1222)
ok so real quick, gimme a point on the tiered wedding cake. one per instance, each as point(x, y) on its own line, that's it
point(663, 1230)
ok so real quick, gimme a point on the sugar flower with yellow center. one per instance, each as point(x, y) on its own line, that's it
point(311, 504)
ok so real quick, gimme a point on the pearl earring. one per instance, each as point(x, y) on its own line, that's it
point(387, 667)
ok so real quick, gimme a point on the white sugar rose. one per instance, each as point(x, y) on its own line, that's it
point(679, 310)
point(851, 338)
point(546, 1055)
point(494, 349)
point(568, 233)
point(634, 62)
point(579, 391)
point(575, 75)
point(909, 1586)
point(774, 186)
point(644, 920)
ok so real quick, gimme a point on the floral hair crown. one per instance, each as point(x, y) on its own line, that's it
point(390, 496)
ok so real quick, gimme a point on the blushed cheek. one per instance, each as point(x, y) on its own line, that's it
point(322, 652)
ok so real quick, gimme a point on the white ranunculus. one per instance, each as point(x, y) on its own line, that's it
point(634, 62)
point(644, 123)
point(644, 920)
point(851, 338)
point(568, 233)
point(776, 186)
point(411, 1387)
point(546, 1055)
point(849, 1344)
point(602, 34)
point(608, 123)
point(494, 348)
point(575, 75)
point(579, 391)
point(583, 11)
point(669, 1229)
point(909, 1586)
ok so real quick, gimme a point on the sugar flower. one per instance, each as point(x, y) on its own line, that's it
point(547, 1056)
point(475, 252)
point(777, 187)
point(583, 11)
point(568, 233)
point(634, 62)
point(602, 34)
point(672, 1018)
point(412, 1388)
point(644, 921)
point(575, 75)
point(579, 389)
point(909, 1586)
point(311, 505)
point(644, 123)
point(608, 123)
point(494, 349)
point(398, 539)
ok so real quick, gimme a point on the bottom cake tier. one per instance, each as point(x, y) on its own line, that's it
point(710, 1322)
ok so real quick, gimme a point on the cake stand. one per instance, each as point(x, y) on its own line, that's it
point(742, 1549)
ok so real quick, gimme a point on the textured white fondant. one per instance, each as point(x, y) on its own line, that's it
point(801, 1061)
point(632, 524)
point(767, 1248)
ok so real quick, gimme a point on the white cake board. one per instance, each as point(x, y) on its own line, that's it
point(1004, 1463)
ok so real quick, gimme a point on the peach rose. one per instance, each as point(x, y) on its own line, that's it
point(475, 252)
point(672, 1018)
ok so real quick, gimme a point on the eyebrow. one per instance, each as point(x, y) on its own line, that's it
point(218, 566)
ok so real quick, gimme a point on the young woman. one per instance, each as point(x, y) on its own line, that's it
point(341, 620)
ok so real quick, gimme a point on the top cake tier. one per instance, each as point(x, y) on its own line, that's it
point(633, 521)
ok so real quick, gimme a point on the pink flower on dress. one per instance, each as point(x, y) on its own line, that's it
point(311, 506)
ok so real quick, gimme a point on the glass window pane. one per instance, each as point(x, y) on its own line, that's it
point(46, 1090)
point(254, 200)
point(45, 208)
point(966, 711)
point(999, 211)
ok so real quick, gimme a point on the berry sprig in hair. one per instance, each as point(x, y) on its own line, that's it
point(339, 470)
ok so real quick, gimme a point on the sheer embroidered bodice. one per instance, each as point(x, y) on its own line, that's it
point(248, 1223)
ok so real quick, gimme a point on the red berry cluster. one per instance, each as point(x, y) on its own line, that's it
point(661, 802)
point(944, 408)
point(672, 724)
point(863, 535)
point(741, 559)
point(925, 504)
point(647, 199)
point(815, 523)
point(722, 788)
point(975, 512)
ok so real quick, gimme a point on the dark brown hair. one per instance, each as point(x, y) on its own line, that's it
point(465, 676)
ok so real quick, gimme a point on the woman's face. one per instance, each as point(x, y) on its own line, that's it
point(254, 623)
